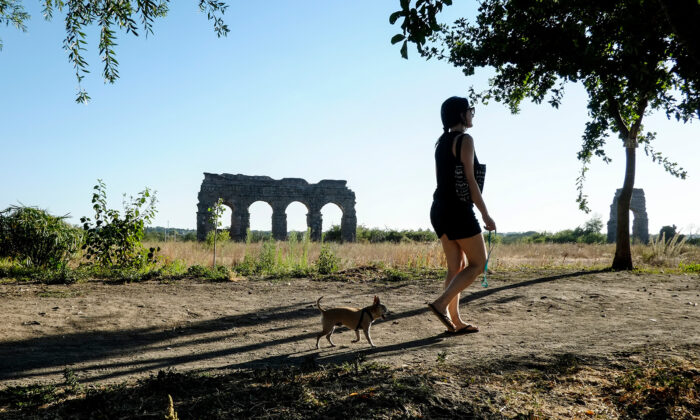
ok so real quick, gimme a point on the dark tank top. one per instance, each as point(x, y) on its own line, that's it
point(445, 162)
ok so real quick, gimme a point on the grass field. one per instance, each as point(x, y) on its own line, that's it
point(430, 255)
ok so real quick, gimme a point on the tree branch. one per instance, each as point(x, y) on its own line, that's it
point(615, 113)
point(641, 107)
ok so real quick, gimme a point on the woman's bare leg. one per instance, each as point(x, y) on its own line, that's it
point(475, 251)
point(456, 262)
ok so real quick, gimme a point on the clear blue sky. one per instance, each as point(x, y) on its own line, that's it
point(314, 91)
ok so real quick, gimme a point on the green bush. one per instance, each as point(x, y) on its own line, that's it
point(36, 238)
point(333, 234)
point(247, 267)
point(221, 237)
point(267, 258)
point(270, 260)
point(220, 273)
point(327, 262)
point(115, 240)
point(255, 236)
point(267, 261)
point(690, 267)
point(589, 233)
point(421, 235)
point(189, 237)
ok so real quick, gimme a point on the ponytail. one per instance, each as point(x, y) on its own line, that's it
point(445, 130)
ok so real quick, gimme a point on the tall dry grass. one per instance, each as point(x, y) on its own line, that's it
point(429, 255)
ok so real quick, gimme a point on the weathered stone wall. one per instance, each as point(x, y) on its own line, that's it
point(638, 207)
point(240, 191)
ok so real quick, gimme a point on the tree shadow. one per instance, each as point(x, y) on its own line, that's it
point(493, 290)
point(49, 355)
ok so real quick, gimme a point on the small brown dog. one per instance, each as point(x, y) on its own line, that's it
point(352, 318)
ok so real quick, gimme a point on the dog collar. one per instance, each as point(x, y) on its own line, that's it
point(362, 315)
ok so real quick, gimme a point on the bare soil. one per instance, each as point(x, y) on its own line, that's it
point(109, 333)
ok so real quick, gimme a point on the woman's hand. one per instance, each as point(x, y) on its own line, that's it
point(489, 224)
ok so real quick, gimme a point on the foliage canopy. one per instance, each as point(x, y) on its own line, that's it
point(631, 57)
point(107, 15)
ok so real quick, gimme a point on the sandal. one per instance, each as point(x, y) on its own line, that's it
point(469, 329)
point(443, 318)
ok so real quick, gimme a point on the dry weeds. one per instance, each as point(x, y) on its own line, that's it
point(430, 255)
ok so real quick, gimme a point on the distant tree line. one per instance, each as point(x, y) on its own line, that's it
point(588, 233)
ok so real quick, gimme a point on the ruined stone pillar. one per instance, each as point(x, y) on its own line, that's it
point(240, 222)
point(204, 224)
point(314, 220)
point(640, 223)
point(612, 222)
point(279, 221)
point(348, 224)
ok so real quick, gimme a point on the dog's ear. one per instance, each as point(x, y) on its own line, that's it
point(376, 300)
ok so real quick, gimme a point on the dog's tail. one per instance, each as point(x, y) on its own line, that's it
point(318, 305)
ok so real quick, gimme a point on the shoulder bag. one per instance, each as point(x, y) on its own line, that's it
point(461, 184)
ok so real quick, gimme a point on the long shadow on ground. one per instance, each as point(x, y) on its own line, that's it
point(51, 354)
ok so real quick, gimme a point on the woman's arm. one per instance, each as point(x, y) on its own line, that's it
point(467, 158)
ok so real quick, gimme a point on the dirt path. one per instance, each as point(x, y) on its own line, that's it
point(107, 333)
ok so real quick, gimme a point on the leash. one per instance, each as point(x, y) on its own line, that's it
point(485, 282)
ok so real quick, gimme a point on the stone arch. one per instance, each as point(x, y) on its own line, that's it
point(264, 207)
point(640, 224)
point(240, 191)
point(333, 208)
point(227, 217)
point(293, 208)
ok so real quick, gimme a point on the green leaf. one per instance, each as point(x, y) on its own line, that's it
point(395, 16)
point(404, 50)
point(397, 38)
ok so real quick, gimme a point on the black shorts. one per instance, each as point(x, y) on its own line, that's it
point(456, 221)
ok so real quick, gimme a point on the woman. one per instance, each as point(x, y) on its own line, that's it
point(452, 212)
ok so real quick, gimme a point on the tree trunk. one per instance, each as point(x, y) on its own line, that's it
point(623, 252)
point(215, 231)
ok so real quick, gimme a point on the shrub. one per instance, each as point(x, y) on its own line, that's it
point(388, 235)
point(332, 235)
point(190, 237)
point(246, 267)
point(255, 236)
point(660, 249)
point(219, 273)
point(421, 235)
point(327, 262)
point(669, 232)
point(267, 259)
point(222, 236)
point(690, 268)
point(36, 238)
point(113, 240)
point(392, 274)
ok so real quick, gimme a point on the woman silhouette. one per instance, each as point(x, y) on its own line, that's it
point(452, 213)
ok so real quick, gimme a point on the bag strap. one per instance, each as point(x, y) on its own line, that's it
point(458, 147)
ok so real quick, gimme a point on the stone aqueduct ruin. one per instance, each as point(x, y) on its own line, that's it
point(240, 191)
point(638, 207)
